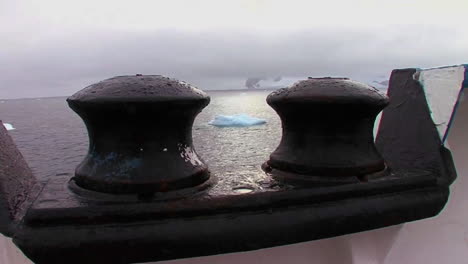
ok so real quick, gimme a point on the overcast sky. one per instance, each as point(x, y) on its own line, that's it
point(54, 48)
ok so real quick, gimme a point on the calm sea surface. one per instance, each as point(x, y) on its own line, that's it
point(54, 140)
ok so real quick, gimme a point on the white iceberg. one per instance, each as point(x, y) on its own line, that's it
point(8, 126)
point(239, 120)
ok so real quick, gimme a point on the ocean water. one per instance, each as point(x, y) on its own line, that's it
point(53, 139)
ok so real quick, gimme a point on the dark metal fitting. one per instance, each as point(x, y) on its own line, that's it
point(327, 132)
point(140, 134)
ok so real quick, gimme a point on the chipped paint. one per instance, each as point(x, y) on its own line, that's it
point(122, 167)
point(189, 154)
point(443, 88)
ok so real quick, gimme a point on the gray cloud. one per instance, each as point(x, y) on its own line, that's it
point(62, 63)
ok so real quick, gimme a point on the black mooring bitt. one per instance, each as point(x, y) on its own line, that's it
point(327, 132)
point(113, 217)
point(140, 131)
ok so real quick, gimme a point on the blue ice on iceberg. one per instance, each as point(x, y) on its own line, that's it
point(8, 126)
point(239, 120)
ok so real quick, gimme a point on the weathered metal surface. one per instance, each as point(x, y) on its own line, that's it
point(17, 184)
point(411, 143)
point(138, 237)
point(140, 131)
point(327, 132)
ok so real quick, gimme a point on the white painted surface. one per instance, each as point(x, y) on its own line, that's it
point(442, 87)
point(10, 254)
